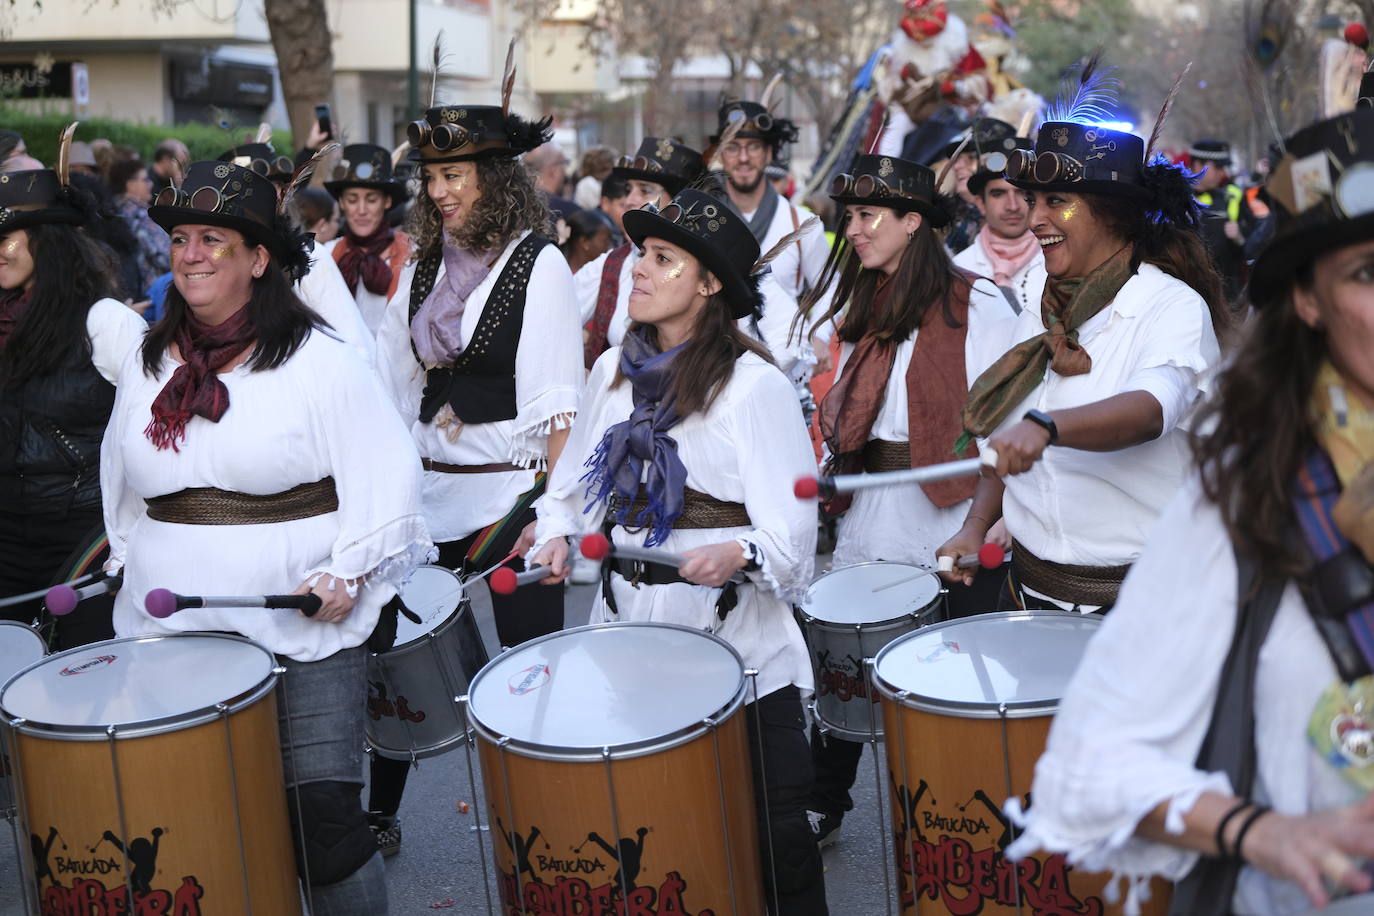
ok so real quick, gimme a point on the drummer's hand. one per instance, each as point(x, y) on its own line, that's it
point(966, 541)
point(336, 603)
point(555, 556)
point(712, 565)
point(525, 541)
point(1312, 849)
point(998, 535)
point(1019, 447)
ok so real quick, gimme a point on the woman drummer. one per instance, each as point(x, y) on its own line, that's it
point(63, 342)
point(1250, 606)
point(688, 439)
point(249, 453)
point(369, 253)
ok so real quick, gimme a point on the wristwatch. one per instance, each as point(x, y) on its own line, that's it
point(1040, 418)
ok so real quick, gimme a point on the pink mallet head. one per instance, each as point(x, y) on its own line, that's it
point(60, 600)
point(806, 488)
point(595, 546)
point(991, 556)
point(502, 581)
point(160, 603)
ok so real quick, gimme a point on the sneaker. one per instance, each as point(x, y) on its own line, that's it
point(388, 833)
point(825, 827)
point(586, 571)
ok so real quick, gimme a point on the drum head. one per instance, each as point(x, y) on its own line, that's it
point(20, 647)
point(871, 593)
point(143, 680)
point(432, 594)
point(972, 666)
point(613, 685)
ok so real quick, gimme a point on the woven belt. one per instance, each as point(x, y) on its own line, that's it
point(1094, 586)
point(211, 506)
point(885, 455)
point(429, 464)
point(699, 510)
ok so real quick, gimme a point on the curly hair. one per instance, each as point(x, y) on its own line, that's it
point(509, 205)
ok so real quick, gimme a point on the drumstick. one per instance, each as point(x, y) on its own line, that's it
point(43, 592)
point(505, 580)
point(597, 547)
point(162, 603)
point(826, 487)
point(989, 556)
point(63, 599)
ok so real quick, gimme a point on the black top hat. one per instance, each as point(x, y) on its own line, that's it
point(365, 165)
point(662, 161)
point(36, 197)
point(261, 158)
point(993, 142)
point(1322, 196)
point(758, 124)
point(887, 181)
point(464, 133)
point(231, 196)
point(714, 234)
point(1211, 151)
point(1084, 159)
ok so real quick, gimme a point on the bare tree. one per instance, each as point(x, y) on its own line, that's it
point(305, 58)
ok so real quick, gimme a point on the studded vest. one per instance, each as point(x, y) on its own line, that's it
point(480, 385)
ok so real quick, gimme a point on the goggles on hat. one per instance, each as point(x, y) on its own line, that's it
point(1044, 168)
point(639, 163)
point(862, 186)
point(206, 199)
point(265, 167)
point(363, 171)
point(763, 120)
point(444, 137)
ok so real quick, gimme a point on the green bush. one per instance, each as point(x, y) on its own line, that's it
point(205, 141)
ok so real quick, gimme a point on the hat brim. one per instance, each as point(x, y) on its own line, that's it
point(171, 217)
point(1278, 264)
point(395, 189)
point(1106, 188)
point(642, 224)
point(938, 218)
point(48, 216)
point(670, 183)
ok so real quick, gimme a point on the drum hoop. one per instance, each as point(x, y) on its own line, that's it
point(42, 646)
point(419, 642)
point(969, 709)
point(644, 748)
point(841, 626)
point(144, 727)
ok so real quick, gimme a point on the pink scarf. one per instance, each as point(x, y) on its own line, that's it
point(1008, 256)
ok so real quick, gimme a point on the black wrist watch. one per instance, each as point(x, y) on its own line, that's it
point(1040, 418)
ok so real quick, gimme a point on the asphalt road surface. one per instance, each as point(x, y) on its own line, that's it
point(440, 868)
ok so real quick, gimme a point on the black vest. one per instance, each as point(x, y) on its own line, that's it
point(480, 386)
point(50, 432)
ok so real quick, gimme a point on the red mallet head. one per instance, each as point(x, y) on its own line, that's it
point(991, 556)
point(596, 547)
point(806, 488)
point(1357, 35)
point(61, 600)
point(502, 581)
point(160, 603)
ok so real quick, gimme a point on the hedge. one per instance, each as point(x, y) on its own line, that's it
point(205, 141)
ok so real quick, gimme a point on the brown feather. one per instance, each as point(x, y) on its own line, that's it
point(768, 90)
point(877, 138)
point(790, 238)
point(949, 163)
point(177, 176)
point(64, 154)
point(264, 134)
point(399, 153)
point(1164, 111)
point(731, 132)
point(434, 75)
point(508, 78)
point(301, 177)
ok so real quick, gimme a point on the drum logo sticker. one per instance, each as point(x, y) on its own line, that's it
point(88, 878)
point(97, 662)
point(842, 676)
point(529, 679)
point(379, 705)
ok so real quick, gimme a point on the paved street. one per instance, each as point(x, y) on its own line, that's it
point(439, 868)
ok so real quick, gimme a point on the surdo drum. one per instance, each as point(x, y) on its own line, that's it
point(148, 774)
point(20, 646)
point(616, 764)
point(411, 688)
point(848, 615)
point(968, 706)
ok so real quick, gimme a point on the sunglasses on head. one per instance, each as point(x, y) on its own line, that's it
point(443, 138)
point(1044, 168)
point(207, 199)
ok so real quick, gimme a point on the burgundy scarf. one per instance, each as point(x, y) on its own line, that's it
point(13, 304)
point(363, 258)
point(195, 388)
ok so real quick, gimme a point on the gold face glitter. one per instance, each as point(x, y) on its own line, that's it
point(1069, 212)
point(877, 221)
point(227, 251)
point(12, 247)
point(677, 270)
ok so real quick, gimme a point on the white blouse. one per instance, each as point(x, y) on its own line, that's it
point(371, 306)
point(324, 290)
point(115, 331)
point(548, 377)
point(748, 447)
point(901, 524)
point(1134, 715)
point(320, 414)
point(1027, 285)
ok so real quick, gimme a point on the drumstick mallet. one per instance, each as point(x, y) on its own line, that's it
point(989, 556)
point(827, 487)
point(162, 603)
point(63, 599)
point(597, 546)
point(505, 581)
point(43, 592)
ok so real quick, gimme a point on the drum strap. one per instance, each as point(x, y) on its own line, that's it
point(1229, 744)
point(638, 573)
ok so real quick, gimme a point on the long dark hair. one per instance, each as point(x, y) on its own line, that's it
point(705, 365)
point(281, 320)
point(70, 272)
point(924, 277)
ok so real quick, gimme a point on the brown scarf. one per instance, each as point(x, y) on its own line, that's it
point(1065, 306)
point(936, 385)
point(371, 259)
point(195, 388)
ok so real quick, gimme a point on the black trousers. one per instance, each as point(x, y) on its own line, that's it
point(529, 612)
point(34, 549)
point(794, 878)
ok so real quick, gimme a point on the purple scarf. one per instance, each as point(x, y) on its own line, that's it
point(618, 463)
point(438, 326)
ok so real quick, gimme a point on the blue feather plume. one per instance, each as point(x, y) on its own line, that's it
point(1087, 93)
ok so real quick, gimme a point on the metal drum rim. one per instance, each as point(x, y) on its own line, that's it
point(870, 624)
point(644, 748)
point(463, 599)
point(965, 709)
point(419, 642)
point(31, 631)
point(145, 727)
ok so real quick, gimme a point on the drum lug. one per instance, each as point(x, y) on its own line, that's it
point(751, 672)
point(279, 670)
